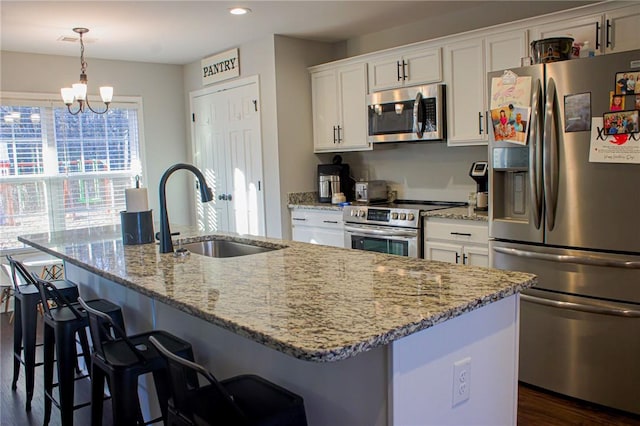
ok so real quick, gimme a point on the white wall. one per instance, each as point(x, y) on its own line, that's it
point(160, 87)
point(285, 102)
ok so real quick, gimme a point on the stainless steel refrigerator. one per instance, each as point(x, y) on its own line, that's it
point(575, 224)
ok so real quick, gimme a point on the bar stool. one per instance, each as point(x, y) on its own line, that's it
point(241, 400)
point(61, 325)
point(122, 359)
point(26, 302)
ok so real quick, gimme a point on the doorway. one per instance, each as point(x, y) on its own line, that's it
point(227, 147)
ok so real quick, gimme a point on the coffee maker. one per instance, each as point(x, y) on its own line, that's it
point(334, 178)
point(480, 173)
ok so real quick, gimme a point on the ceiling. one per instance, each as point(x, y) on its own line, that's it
point(181, 32)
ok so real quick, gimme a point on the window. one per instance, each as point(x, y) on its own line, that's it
point(61, 171)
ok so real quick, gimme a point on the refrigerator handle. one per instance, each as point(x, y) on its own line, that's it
point(563, 258)
point(535, 182)
point(581, 307)
point(550, 153)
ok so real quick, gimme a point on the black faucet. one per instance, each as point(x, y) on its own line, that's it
point(166, 245)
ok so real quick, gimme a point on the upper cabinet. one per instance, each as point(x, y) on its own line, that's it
point(610, 32)
point(339, 108)
point(466, 64)
point(405, 68)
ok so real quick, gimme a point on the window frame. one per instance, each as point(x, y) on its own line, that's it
point(47, 100)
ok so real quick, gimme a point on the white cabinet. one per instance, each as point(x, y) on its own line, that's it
point(340, 108)
point(466, 64)
point(465, 77)
point(614, 31)
point(318, 226)
point(465, 242)
point(405, 68)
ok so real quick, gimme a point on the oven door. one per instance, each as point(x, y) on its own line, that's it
point(383, 239)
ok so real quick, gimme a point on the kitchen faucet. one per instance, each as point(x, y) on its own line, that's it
point(166, 245)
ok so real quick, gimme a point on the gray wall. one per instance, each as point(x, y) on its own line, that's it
point(160, 87)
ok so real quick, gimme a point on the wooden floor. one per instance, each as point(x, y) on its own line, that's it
point(535, 406)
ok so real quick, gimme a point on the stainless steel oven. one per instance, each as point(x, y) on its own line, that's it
point(383, 239)
point(390, 228)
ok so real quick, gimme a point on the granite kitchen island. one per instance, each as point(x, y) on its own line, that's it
point(365, 338)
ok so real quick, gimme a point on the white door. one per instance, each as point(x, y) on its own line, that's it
point(228, 149)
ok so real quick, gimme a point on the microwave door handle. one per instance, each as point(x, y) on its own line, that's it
point(418, 126)
point(535, 183)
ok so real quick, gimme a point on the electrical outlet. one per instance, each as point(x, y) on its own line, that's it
point(461, 381)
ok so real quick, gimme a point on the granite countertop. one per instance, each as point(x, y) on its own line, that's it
point(458, 213)
point(315, 303)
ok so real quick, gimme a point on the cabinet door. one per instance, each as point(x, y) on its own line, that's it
point(622, 29)
point(466, 80)
point(423, 66)
point(443, 252)
point(476, 256)
point(504, 50)
point(352, 93)
point(584, 29)
point(324, 93)
point(385, 72)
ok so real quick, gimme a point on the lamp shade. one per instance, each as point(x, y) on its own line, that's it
point(67, 95)
point(106, 93)
point(80, 91)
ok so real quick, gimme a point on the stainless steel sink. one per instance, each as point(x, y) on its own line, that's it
point(224, 248)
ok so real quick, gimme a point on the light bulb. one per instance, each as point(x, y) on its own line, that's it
point(106, 93)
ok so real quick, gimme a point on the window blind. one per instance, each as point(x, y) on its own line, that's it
point(60, 171)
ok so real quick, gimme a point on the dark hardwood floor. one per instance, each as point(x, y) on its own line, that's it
point(536, 407)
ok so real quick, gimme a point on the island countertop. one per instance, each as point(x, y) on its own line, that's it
point(312, 302)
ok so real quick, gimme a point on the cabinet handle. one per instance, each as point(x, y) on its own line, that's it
point(457, 257)
point(300, 219)
point(598, 35)
point(222, 197)
point(480, 122)
point(339, 138)
point(229, 197)
point(608, 34)
point(405, 75)
point(464, 234)
point(464, 259)
point(334, 134)
point(398, 70)
point(330, 221)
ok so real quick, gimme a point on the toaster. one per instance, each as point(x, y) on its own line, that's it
point(371, 191)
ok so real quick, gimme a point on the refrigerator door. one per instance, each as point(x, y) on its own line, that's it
point(588, 205)
point(582, 347)
point(515, 171)
point(591, 274)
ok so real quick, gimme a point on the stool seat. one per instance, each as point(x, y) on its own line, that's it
point(241, 400)
point(122, 359)
point(26, 302)
point(62, 324)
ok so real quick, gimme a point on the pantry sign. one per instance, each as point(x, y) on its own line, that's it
point(222, 66)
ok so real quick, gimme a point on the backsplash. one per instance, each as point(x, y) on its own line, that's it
point(419, 171)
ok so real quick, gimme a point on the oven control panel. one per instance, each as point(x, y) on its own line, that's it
point(406, 218)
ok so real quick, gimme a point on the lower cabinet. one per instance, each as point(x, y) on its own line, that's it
point(324, 227)
point(465, 242)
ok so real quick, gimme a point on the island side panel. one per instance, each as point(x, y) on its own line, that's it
point(423, 369)
point(352, 391)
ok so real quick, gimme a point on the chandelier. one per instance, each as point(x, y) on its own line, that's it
point(78, 91)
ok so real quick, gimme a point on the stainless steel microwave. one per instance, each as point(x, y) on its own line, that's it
point(407, 114)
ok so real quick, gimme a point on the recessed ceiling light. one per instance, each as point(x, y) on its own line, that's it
point(239, 10)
